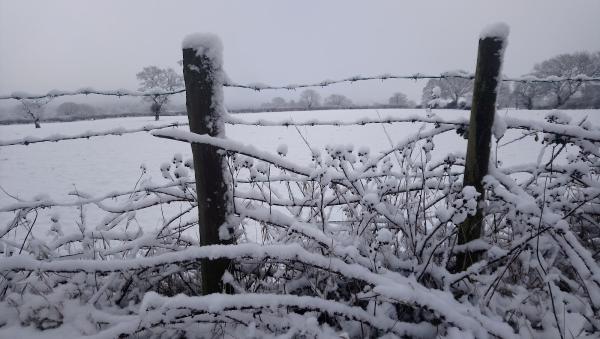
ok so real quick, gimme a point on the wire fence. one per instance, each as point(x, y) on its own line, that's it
point(569, 131)
point(285, 123)
point(86, 135)
point(324, 83)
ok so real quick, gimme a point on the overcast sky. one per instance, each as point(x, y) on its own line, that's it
point(64, 44)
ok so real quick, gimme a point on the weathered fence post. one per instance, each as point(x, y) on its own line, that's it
point(487, 75)
point(204, 78)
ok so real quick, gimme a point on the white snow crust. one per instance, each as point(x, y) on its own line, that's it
point(497, 30)
point(205, 44)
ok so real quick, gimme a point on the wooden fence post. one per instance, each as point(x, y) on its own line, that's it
point(204, 77)
point(489, 60)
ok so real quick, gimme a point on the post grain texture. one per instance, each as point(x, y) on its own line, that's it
point(489, 61)
point(203, 76)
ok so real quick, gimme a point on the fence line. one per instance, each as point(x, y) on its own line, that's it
point(86, 135)
point(86, 91)
point(571, 131)
point(259, 87)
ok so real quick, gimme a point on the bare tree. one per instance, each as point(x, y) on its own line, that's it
point(153, 78)
point(338, 100)
point(278, 102)
point(591, 96)
point(72, 109)
point(309, 98)
point(399, 99)
point(452, 89)
point(456, 88)
point(428, 92)
point(505, 95)
point(435, 99)
point(34, 108)
point(567, 65)
point(67, 109)
point(525, 94)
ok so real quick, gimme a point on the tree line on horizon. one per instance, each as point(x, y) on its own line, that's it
point(311, 99)
point(457, 92)
point(451, 93)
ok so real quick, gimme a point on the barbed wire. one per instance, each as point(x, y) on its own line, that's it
point(412, 118)
point(88, 134)
point(416, 76)
point(564, 130)
point(324, 83)
point(230, 120)
point(570, 131)
point(87, 91)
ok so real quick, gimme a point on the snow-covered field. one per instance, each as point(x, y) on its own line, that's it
point(104, 164)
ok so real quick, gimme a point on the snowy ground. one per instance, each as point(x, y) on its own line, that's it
point(104, 164)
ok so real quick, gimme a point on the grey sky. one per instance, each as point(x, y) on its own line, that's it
point(70, 44)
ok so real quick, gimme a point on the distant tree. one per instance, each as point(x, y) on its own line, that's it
point(452, 89)
point(399, 99)
point(566, 65)
point(67, 109)
point(427, 94)
point(72, 109)
point(10, 113)
point(525, 94)
point(338, 100)
point(309, 98)
point(505, 95)
point(277, 102)
point(88, 110)
point(587, 97)
point(435, 98)
point(590, 97)
point(157, 79)
point(456, 88)
point(34, 109)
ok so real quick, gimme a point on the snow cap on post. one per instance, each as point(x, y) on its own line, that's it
point(203, 66)
point(498, 31)
point(207, 44)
